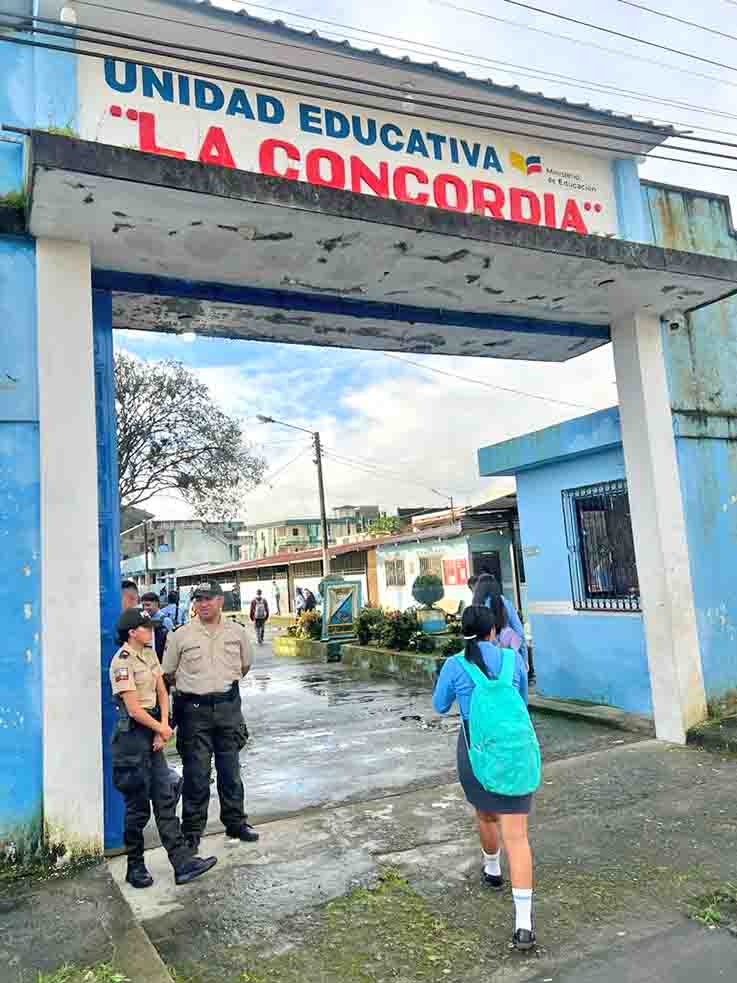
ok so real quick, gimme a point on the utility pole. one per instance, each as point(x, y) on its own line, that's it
point(321, 484)
point(452, 510)
point(323, 513)
point(145, 550)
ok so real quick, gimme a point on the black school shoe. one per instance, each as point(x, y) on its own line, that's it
point(523, 940)
point(244, 832)
point(492, 881)
point(193, 868)
point(138, 876)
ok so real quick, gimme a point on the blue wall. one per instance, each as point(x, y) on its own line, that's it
point(21, 759)
point(701, 361)
point(583, 656)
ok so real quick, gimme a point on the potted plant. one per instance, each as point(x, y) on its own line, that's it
point(427, 590)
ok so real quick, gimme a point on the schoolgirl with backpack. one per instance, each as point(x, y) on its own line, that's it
point(498, 754)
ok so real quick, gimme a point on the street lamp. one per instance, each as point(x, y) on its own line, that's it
point(320, 483)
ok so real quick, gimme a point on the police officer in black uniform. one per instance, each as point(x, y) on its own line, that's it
point(140, 771)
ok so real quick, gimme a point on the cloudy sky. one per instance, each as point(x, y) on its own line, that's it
point(407, 428)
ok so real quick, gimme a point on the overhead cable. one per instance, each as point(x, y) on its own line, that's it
point(465, 58)
point(384, 87)
point(488, 385)
point(678, 20)
point(598, 27)
point(274, 88)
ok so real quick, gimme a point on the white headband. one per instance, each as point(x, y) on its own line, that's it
point(468, 638)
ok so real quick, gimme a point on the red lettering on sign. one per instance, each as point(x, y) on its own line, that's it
point(215, 149)
point(267, 159)
point(401, 192)
point(549, 207)
point(336, 167)
point(147, 138)
point(378, 183)
point(572, 218)
point(483, 204)
point(516, 212)
point(440, 192)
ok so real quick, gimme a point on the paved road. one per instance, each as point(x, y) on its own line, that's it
point(325, 735)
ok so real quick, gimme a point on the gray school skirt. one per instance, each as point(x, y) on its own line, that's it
point(478, 796)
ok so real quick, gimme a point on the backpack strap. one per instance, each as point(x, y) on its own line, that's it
point(506, 674)
point(478, 677)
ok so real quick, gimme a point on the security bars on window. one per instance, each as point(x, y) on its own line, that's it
point(601, 552)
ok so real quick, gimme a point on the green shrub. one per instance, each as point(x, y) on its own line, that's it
point(368, 625)
point(309, 625)
point(428, 589)
point(452, 647)
point(420, 642)
point(397, 629)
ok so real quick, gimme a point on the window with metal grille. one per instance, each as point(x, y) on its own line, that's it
point(431, 565)
point(394, 571)
point(601, 551)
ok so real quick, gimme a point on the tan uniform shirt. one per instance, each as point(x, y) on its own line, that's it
point(139, 671)
point(207, 658)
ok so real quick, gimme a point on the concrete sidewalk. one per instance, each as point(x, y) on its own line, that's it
point(628, 842)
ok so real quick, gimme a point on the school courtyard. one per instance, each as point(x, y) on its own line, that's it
point(368, 865)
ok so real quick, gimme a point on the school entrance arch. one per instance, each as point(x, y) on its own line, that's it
point(161, 245)
point(180, 199)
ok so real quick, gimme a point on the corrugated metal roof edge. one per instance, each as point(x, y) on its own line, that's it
point(432, 68)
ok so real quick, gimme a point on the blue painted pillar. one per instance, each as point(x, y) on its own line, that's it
point(632, 217)
point(109, 531)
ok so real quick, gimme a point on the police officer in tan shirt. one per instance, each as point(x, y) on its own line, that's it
point(140, 771)
point(206, 660)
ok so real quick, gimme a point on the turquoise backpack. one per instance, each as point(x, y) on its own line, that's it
point(503, 748)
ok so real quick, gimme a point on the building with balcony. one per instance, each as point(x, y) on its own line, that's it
point(290, 535)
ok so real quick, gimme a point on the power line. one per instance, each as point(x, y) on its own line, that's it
point(383, 86)
point(275, 88)
point(373, 468)
point(597, 27)
point(489, 385)
point(678, 20)
point(475, 60)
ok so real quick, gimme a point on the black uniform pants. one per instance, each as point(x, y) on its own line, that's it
point(143, 777)
point(203, 730)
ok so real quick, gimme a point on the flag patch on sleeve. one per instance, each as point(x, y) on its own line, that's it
point(120, 675)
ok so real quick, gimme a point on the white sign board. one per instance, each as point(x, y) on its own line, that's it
point(401, 156)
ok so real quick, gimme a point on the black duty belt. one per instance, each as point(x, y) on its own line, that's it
point(209, 699)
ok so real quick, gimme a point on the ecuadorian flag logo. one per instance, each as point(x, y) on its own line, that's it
point(527, 165)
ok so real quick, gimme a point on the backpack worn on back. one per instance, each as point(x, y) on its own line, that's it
point(503, 748)
point(259, 612)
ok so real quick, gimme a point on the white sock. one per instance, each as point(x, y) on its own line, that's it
point(491, 863)
point(522, 908)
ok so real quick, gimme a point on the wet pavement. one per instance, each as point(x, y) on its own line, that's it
point(324, 734)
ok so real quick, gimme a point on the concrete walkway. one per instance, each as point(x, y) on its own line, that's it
point(368, 864)
point(324, 735)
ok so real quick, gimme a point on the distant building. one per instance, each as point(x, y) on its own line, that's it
point(176, 546)
point(291, 535)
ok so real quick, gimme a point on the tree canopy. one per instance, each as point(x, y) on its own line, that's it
point(173, 437)
point(385, 524)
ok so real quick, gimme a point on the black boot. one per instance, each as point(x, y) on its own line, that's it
point(193, 868)
point(137, 875)
point(244, 832)
point(193, 841)
point(523, 940)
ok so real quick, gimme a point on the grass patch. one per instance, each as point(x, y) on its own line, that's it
point(104, 973)
point(717, 908)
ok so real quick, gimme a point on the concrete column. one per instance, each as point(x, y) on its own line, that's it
point(72, 760)
point(659, 527)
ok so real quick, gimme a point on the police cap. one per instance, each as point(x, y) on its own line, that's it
point(132, 619)
point(208, 588)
